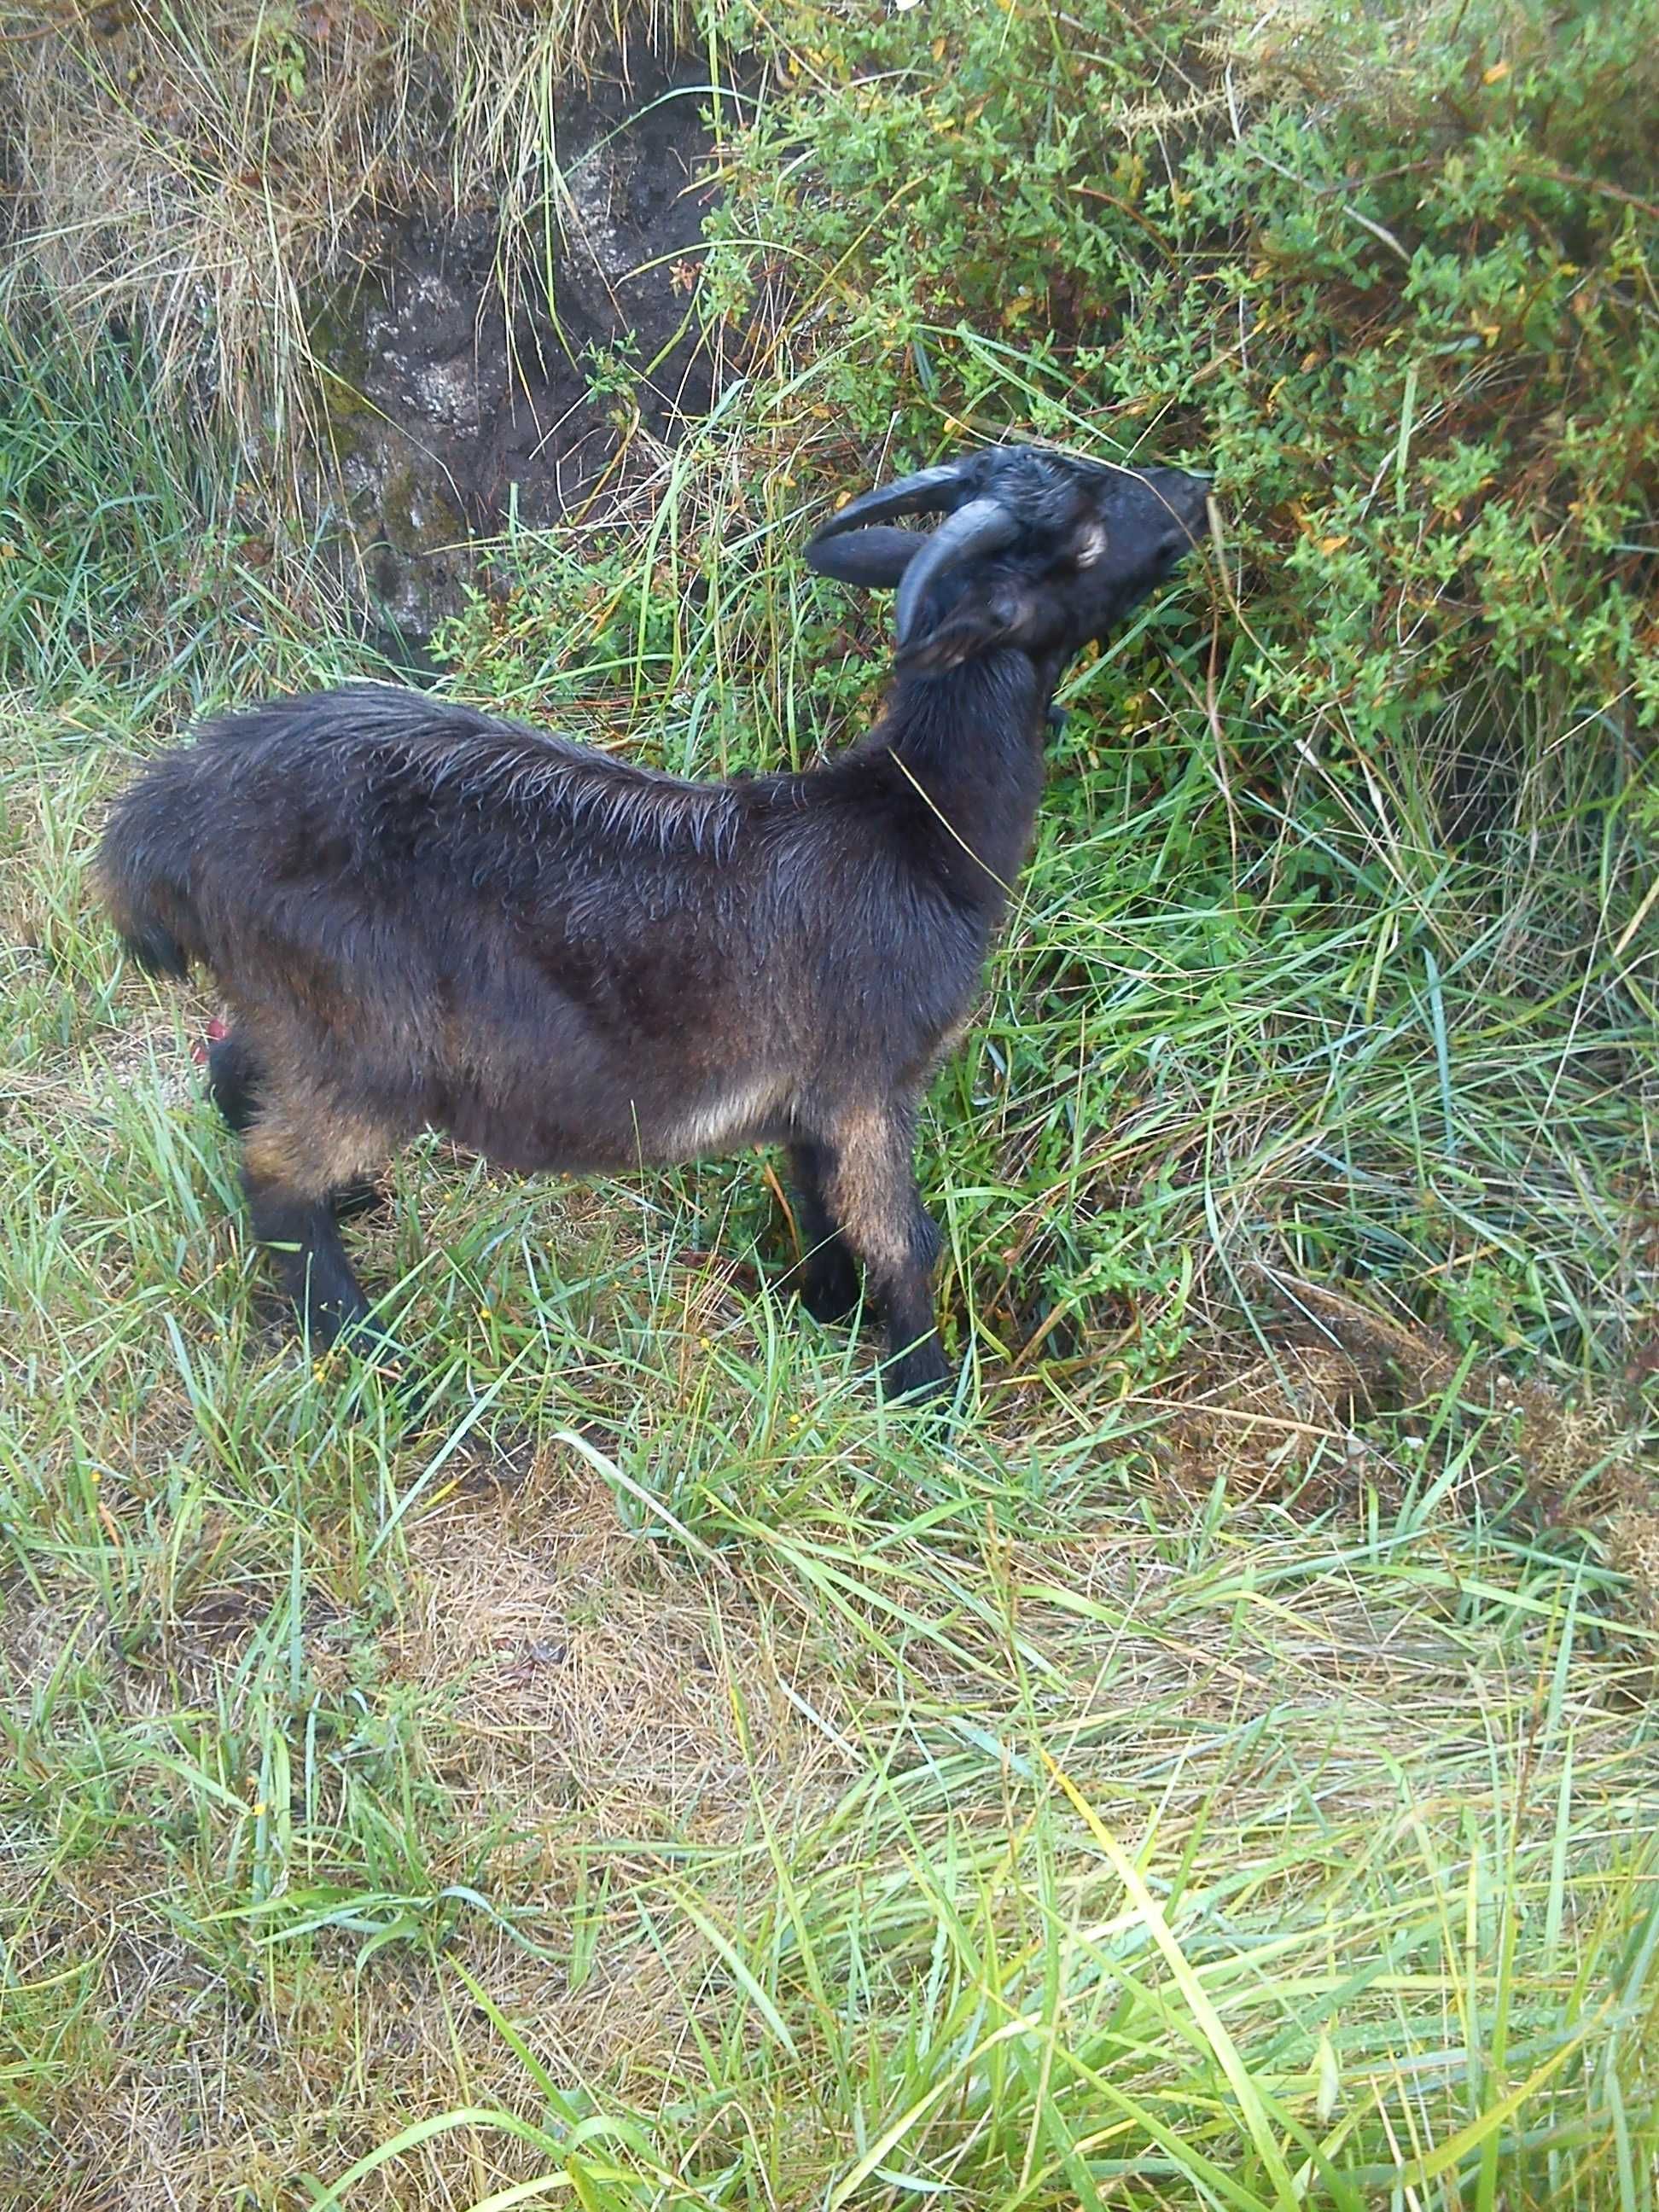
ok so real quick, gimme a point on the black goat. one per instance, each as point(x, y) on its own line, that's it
point(420, 916)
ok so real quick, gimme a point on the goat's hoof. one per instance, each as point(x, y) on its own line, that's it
point(921, 1376)
point(830, 1290)
point(364, 1347)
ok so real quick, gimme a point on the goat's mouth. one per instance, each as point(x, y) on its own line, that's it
point(1183, 545)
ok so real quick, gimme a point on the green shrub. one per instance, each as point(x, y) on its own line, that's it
point(1384, 276)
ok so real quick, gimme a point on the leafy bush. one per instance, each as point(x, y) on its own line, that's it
point(1386, 275)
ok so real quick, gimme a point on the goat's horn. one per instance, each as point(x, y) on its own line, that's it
point(924, 493)
point(980, 527)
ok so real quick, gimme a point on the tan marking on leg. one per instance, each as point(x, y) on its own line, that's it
point(313, 1149)
point(869, 1188)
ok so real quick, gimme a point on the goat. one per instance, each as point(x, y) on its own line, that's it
point(420, 916)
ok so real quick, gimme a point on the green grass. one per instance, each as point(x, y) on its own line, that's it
point(1215, 1767)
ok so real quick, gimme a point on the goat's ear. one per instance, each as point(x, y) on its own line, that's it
point(874, 559)
point(1006, 618)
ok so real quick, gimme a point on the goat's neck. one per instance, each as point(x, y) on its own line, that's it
point(971, 743)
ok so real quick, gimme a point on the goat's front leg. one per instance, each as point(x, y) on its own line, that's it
point(870, 1189)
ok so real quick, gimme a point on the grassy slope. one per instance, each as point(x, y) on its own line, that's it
point(1218, 1773)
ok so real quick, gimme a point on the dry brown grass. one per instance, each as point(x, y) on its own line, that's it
point(593, 1681)
point(1294, 1423)
point(197, 174)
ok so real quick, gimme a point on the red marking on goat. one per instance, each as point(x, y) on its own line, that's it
point(217, 1031)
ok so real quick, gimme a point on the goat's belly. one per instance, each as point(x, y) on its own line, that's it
point(537, 1135)
point(620, 1133)
point(723, 1120)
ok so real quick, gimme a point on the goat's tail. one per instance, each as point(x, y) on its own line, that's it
point(143, 873)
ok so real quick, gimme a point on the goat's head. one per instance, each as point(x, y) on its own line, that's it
point(1039, 551)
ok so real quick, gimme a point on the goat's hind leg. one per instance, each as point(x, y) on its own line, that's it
point(235, 1085)
point(295, 1158)
point(232, 1082)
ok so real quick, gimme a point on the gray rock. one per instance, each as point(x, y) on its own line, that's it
point(440, 410)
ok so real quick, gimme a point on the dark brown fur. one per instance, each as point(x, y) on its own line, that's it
point(422, 916)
